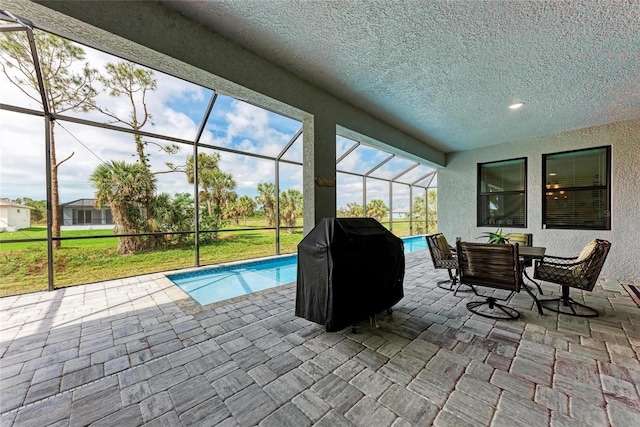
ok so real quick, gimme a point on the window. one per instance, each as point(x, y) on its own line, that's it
point(82, 216)
point(502, 193)
point(577, 193)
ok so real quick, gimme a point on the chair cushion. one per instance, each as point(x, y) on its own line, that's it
point(584, 254)
point(443, 245)
point(519, 238)
point(581, 272)
point(586, 251)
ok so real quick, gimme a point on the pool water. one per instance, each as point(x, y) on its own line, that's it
point(415, 243)
point(210, 285)
point(220, 283)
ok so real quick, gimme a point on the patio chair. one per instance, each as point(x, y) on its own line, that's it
point(443, 256)
point(493, 266)
point(579, 272)
point(524, 239)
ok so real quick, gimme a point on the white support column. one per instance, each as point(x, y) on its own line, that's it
point(319, 170)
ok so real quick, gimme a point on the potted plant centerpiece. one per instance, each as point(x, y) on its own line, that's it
point(497, 237)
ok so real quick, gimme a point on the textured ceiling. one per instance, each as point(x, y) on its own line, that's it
point(445, 71)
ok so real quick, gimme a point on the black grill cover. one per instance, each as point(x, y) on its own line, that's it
point(348, 269)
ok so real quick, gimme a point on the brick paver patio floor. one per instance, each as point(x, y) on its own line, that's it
point(136, 352)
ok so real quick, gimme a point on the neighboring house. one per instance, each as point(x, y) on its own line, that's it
point(14, 216)
point(83, 212)
point(401, 212)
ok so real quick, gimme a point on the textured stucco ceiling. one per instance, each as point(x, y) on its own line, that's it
point(445, 71)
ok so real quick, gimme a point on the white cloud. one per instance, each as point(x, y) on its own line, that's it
point(22, 138)
point(234, 124)
point(247, 171)
point(22, 156)
point(251, 125)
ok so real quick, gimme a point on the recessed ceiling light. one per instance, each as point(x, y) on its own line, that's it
point(516, 105)
point(552, 174)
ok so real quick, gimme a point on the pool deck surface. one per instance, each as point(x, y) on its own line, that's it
point(138, 352)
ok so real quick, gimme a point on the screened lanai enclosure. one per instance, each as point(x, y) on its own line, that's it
point(125, 170)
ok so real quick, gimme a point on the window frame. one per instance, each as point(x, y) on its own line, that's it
point(607, 188)
point(480, 194)
point(79, 216)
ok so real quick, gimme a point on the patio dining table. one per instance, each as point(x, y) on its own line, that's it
point(527, 253)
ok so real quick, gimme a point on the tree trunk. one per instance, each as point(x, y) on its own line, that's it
point(55, 195)
point(270, 216)
point(127, 245)
point(152, 241)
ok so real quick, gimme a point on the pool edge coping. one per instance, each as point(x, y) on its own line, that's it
point(189, 306)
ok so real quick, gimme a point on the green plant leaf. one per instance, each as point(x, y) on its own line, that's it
point(497, 237)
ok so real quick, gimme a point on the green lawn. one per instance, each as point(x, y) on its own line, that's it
point(23, 265)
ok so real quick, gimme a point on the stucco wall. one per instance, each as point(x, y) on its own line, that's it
point(20, 217)
point(12, 218)
point(457, 186)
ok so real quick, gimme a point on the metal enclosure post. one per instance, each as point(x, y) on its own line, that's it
point(410, 210)
point(282, 153)
point(47, 144)
point(277, 216)
point(426, 211)
point(196, 207)
point(391, 206)
point(196, 212)
point(364, 196)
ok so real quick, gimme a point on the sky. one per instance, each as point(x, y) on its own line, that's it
point(177, 108)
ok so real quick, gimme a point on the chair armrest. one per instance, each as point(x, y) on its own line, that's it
point(560, 262)
point(551, 258)
point(579, 272)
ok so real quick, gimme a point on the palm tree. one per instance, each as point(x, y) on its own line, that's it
point(432, 206)
point(267, 199)
point(124, 187)
point(290, 207)
point(132, 82)
point(219, 185)
point(231, 207)
point(377, 209)
point(173, 214)
point(245, 207)
point(216, 189)
point(354, 210)
point(419, 214)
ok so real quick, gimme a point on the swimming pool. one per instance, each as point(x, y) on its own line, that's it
point(414, 243)
point(210, 285)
